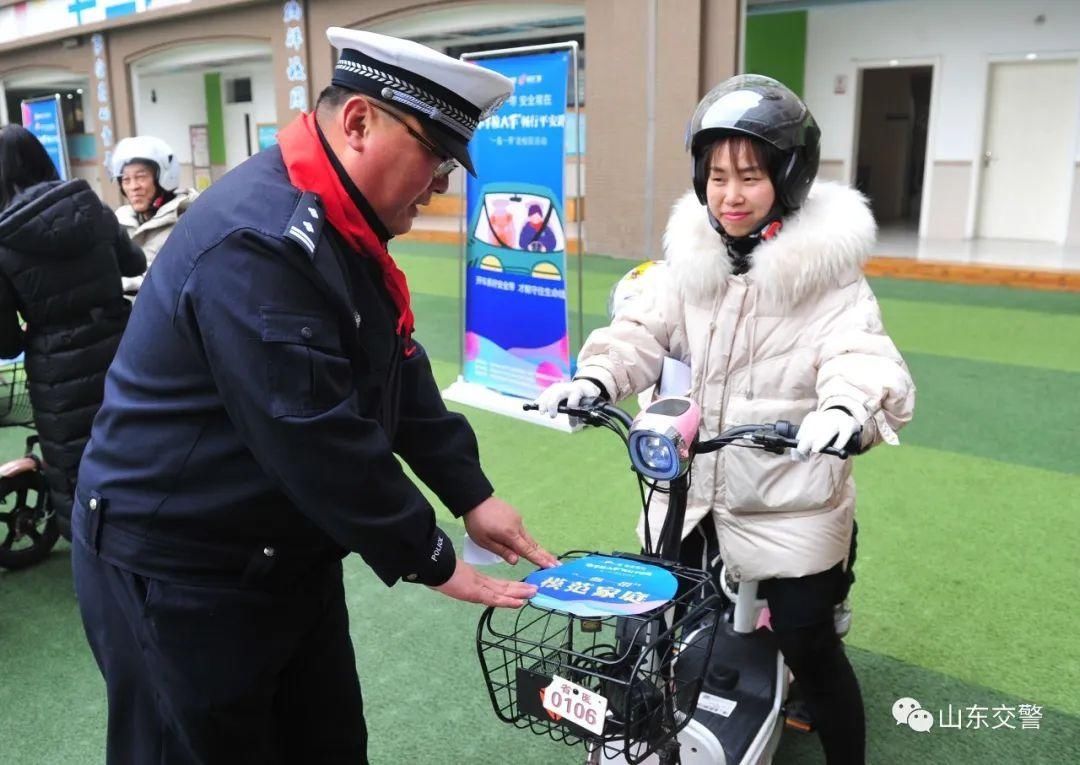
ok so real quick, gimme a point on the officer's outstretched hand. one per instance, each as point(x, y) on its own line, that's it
point(470, 585)
point(496, 526)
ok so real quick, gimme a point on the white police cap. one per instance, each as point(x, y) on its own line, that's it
point(450, 97)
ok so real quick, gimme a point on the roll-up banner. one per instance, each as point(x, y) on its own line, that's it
point(43, 117)
point(516, 331)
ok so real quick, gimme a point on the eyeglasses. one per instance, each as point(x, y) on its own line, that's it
point(136, 179)
point(444, 168)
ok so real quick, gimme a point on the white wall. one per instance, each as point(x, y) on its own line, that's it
point(181, 102)
point(964, 36)
point(262, 108)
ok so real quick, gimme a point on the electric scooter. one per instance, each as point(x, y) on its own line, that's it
point(28, 526)
point(698, 681)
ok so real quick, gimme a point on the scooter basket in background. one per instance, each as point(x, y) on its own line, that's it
point(629, 660)
point(15, 406)
point(28, 526)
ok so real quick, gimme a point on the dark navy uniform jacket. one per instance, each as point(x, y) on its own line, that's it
point(256, 403)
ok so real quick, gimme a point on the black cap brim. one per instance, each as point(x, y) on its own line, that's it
point(450, 142)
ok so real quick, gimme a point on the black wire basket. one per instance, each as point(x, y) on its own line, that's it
point(649, 667)
point(15, 406)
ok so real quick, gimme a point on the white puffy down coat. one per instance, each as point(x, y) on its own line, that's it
point(801, 331)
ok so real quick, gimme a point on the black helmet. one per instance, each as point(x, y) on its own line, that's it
point(759, 107)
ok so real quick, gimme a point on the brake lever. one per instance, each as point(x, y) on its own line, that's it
point(773, 442)
point(782, 437)
point(588, 412)
point(591, 416)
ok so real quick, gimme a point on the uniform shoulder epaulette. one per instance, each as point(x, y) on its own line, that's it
point(305, 225)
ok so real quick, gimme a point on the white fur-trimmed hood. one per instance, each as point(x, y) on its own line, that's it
point(823, 245)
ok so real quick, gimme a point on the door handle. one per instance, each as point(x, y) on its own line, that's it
point(988, 156)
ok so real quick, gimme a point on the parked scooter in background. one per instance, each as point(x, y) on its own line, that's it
point(28, 526)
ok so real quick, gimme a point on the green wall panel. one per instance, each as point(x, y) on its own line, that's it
point(215, 119)
point(776, 47)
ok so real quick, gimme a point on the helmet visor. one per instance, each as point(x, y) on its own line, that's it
point(755, 106)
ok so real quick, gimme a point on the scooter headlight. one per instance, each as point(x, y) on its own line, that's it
point(654, 454)
point(661, 437)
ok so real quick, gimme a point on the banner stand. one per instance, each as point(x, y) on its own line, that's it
point(482, 397)
point(44, 117)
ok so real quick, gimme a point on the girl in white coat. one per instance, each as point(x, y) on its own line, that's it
point(762, 295)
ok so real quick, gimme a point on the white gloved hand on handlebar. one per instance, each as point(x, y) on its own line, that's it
point(571, 392)
point(818, 429)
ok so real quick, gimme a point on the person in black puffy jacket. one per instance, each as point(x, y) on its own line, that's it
point(62, 255)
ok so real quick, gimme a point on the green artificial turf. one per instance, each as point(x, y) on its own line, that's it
point(968, 552)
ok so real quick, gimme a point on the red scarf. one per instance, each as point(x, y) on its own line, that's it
point(311, 170)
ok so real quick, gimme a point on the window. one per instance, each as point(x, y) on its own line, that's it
point(238, 90)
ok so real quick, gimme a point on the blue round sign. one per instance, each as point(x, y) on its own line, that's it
point(600, 585)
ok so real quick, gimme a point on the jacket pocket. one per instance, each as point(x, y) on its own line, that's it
point(308, 372)
point(760, 482)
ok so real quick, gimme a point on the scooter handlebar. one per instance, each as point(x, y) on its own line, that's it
point(775, 437)
point(785, 435)
point(592, 411)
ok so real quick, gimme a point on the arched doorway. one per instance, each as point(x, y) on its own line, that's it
point(76, 106)
point(210, 100)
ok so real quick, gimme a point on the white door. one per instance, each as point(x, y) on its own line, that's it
point(1028, 156)
point(239, 132)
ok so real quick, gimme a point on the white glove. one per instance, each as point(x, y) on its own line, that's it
point(571, 392)
point(820, 428)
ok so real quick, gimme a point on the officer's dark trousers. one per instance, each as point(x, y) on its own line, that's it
point(198, 674)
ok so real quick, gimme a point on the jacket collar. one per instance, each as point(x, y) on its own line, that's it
point(354, 193)
point(821, 246)
point(165, 215)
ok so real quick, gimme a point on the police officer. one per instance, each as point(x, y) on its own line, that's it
point(251, 418)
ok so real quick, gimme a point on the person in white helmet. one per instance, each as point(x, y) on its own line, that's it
point(148, 174)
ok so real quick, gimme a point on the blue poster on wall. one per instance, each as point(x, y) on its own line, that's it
point(43, 118)
point(516, 328)
point(267, 134)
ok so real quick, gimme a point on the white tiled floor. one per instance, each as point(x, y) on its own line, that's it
point(896, 241)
